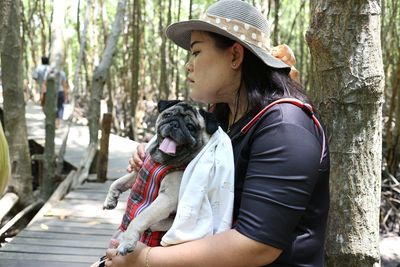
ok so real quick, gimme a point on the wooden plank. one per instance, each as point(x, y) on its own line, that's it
point(60, 242)
point(35, 263)
point(63, 236)
point(89, 208)
point(45, 257)
point(88, 224)
point(74, 219)
point(58, 194)
point(75, 231)
point(68, 230)
point(54, 249)
point(103, 189)
point(82, 202)
point(104, 219)
point(98, 196)
point(7, 202)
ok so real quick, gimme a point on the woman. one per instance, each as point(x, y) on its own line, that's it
point(281, 160)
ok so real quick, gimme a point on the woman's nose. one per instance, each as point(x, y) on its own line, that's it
point(189, 66)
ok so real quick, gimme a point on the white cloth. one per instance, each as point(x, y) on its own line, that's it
point(206, 193)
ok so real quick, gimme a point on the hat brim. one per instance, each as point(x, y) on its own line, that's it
point(180, 34)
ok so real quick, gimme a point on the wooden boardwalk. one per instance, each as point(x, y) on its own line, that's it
point(75, 231)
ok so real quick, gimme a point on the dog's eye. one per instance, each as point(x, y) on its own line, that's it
point(191, 128)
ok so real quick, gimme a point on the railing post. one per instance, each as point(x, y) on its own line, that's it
point(102, 163)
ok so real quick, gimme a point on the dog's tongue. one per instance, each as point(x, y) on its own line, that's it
point(168, 146)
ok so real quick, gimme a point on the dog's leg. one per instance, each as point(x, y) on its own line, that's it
point(163, 225)
point(117, 187)
point(165, 204)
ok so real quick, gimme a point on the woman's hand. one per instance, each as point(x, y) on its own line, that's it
point(285, 53)
point(136, 161)
point(135, 258)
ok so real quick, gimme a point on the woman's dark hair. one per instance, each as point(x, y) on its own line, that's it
point(263, 83)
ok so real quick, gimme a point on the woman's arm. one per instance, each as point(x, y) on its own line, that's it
point(229, 248)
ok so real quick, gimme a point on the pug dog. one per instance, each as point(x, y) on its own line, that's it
point(182, 131)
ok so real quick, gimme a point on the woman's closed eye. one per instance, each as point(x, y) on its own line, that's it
point(195, 53)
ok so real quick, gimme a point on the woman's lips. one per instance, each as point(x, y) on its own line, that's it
point(189, 80)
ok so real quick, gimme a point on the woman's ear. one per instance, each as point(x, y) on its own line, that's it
point(237, 51)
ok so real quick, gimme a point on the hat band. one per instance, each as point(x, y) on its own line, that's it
point(243, 31)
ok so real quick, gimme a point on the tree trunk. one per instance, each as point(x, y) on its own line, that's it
point(52, 83)
point(275, 34)
point(14, 107)
point(163, 82)
point(186, 95)
point(5, 6)
point(348, 79)
point(135, 62)
point(393, 128)
point(74, 91)
point(177, 58)
point(99, 75)
point(44, 25)
point(102, 162)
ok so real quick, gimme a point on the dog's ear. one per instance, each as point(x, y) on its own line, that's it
point(210, 120)
point(164, 104)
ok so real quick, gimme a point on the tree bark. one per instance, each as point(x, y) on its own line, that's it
point(5, 6)
point(163, 82)
point(74, 91)
point(14, 107)
point(186, 95)
point(102, 163)
point(393, 129)
point(45, 25)
point(52, 83)
point(348, 79)
point(177, 58)
point(275, 34)
point(99, 75)
point(135, 62)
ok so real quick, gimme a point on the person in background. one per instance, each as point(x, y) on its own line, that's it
point(62, 95)
point(38, 74)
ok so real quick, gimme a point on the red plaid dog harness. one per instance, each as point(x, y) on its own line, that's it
point(144, 192)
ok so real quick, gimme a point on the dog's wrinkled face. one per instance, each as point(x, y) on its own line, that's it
point(181, 133)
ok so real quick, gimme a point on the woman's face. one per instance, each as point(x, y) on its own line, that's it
point(211, 75)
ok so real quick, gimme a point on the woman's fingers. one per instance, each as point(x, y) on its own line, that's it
point(111, 253)
point(136, 161)
point(141, 150)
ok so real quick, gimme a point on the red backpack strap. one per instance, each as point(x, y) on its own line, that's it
point(304, 106)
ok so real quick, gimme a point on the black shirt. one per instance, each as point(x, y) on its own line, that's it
point(281, 188)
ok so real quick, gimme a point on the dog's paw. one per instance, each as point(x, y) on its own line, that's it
point(126, 245)
point(110, 203)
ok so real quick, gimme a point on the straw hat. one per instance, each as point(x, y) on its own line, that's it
point(234, 19)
